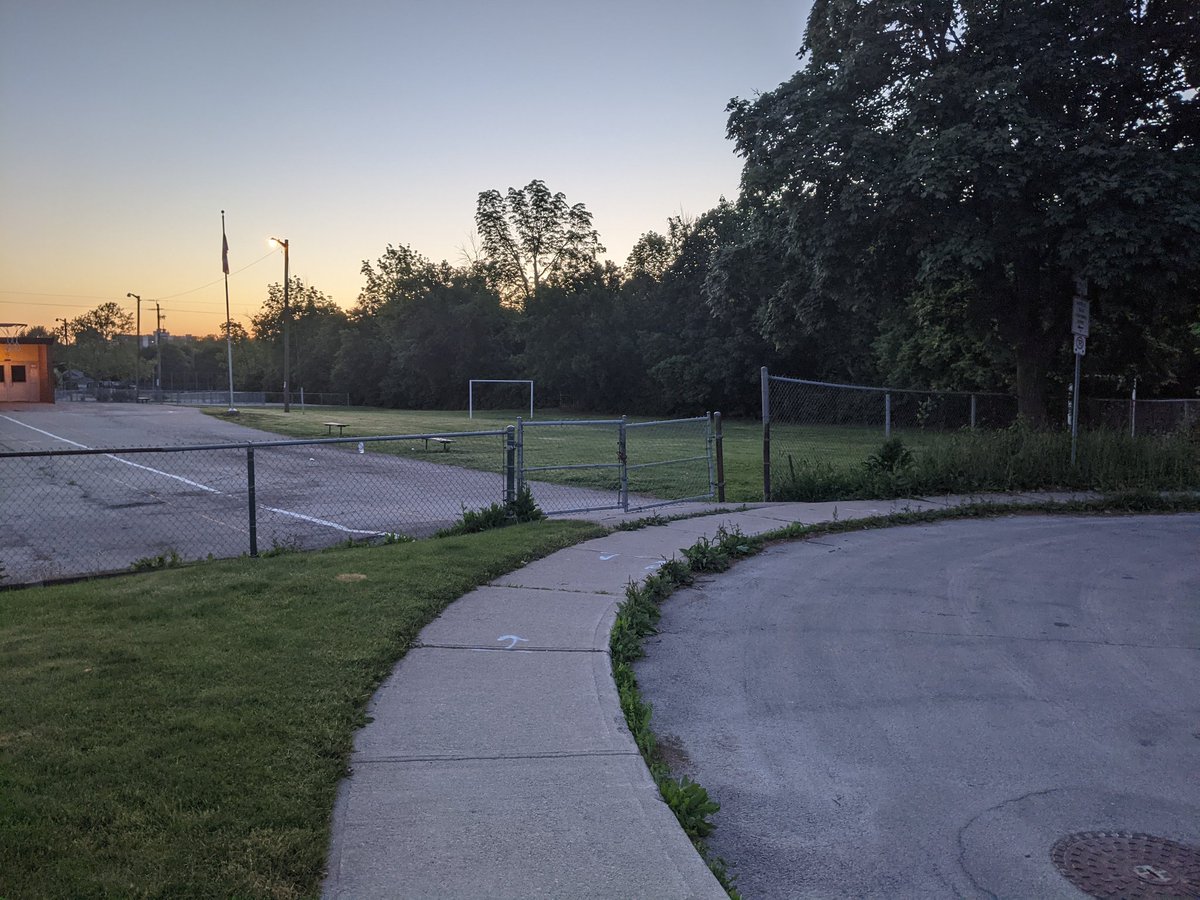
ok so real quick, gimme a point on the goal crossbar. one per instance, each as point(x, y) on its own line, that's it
point(474, 381)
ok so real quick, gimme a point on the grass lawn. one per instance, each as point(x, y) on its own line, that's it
point(550, 446)
point(182, 732)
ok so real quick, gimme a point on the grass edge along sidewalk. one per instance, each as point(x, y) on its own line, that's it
point(638, 615)
point(183, 732)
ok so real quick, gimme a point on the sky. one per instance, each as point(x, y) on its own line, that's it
point(126, 126)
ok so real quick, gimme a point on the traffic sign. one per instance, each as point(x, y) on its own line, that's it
point(1080, 344)
point(1080, 317)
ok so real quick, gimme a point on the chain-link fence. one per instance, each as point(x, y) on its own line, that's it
point(87, 511)
point(631, 465)
point(108, 394)
point(78, 512)
point(1140, 417)
point(815, 424)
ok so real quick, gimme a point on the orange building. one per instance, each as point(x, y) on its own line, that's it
point(26, 372)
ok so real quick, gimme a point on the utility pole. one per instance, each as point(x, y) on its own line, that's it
point(137, 347)
point(287, 317)
point(158, 351)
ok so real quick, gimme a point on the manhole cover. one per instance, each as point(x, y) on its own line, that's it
point(1117, 864)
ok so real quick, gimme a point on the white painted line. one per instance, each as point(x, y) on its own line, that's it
point(187, 481)
point(512, 637)
point(605, 557)
point(316, 521)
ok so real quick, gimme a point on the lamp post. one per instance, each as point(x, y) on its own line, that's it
point(137, 348)
point(158, 351)
point(287, 315)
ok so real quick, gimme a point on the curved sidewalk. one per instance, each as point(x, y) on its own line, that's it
point(497, 762)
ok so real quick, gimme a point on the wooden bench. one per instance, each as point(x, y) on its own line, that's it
point(329, 426)
point(445, 442)
point(143, 399)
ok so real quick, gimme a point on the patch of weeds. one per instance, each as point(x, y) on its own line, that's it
point(639, 524)
point(282, 548)
point(717, 555)
point(167, 560)
point(637, 617)
point(522, 509)
point(893, 458)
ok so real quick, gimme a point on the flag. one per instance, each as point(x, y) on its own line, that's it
point(224, 252)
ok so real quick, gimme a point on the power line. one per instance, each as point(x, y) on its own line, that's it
point(144, 299)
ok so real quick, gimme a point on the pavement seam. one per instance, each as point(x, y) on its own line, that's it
point(557, 590)
point(476, 648)
point(562, 754)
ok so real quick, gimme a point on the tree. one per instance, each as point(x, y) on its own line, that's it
point(316, 322)
point(999, 149)
point(106, 321)
point(532, 237)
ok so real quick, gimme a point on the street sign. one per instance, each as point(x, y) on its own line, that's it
point(1080, 317)
point(1080, 344)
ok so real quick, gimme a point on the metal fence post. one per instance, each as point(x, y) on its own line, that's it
point(510, 465)
point(887, 415)
point(766, 419)
point(520, 454)
point(1133, 410)
point(972, 410)
point(719, 442)
point(623, 462)
point(252, 502)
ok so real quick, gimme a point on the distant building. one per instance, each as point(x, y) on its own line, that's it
point(26, 371)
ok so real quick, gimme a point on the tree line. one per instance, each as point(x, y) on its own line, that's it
point(919, 204)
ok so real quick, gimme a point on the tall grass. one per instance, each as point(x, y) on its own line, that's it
point(1016, 458)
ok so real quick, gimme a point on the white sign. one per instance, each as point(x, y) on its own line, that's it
point(1080, 344)
point(1080, 318)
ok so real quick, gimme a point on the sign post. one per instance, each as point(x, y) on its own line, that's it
point(1080, 321)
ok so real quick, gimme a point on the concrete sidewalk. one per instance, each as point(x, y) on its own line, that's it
point(497, 762)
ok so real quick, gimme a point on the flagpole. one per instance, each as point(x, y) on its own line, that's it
point(228, 326)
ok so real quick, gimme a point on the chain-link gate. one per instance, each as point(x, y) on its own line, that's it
point(649, 464)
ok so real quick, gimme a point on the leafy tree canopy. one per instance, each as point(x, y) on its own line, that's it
point(1000, 149)
point(532, 237)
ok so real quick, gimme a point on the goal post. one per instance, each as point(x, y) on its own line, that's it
point(474, 381)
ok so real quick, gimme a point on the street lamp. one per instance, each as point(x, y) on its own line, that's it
point(137, 352)
point(287, 315)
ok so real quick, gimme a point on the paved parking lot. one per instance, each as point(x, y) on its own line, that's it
point(924, 711)
point(75, 515)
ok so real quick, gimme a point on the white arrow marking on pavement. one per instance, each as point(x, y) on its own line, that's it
point(513, 638)
point(605, 557)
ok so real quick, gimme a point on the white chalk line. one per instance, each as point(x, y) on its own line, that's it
point(188, 481)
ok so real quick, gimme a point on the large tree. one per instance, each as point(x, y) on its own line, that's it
point(1001, 149)
point(532, 237)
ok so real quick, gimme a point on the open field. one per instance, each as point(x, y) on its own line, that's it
point(182, 732)
point(808, 462)
point(742, 439)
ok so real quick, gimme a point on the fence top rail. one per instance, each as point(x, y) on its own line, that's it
point(1184, 400)
point(243, 445)
point(888, 390)
point(530, 424)
point(667, 422)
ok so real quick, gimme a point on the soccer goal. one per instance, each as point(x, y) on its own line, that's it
point(471, 392)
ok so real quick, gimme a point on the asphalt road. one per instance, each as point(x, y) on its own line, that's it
point(924, 711)
point(72, 515)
